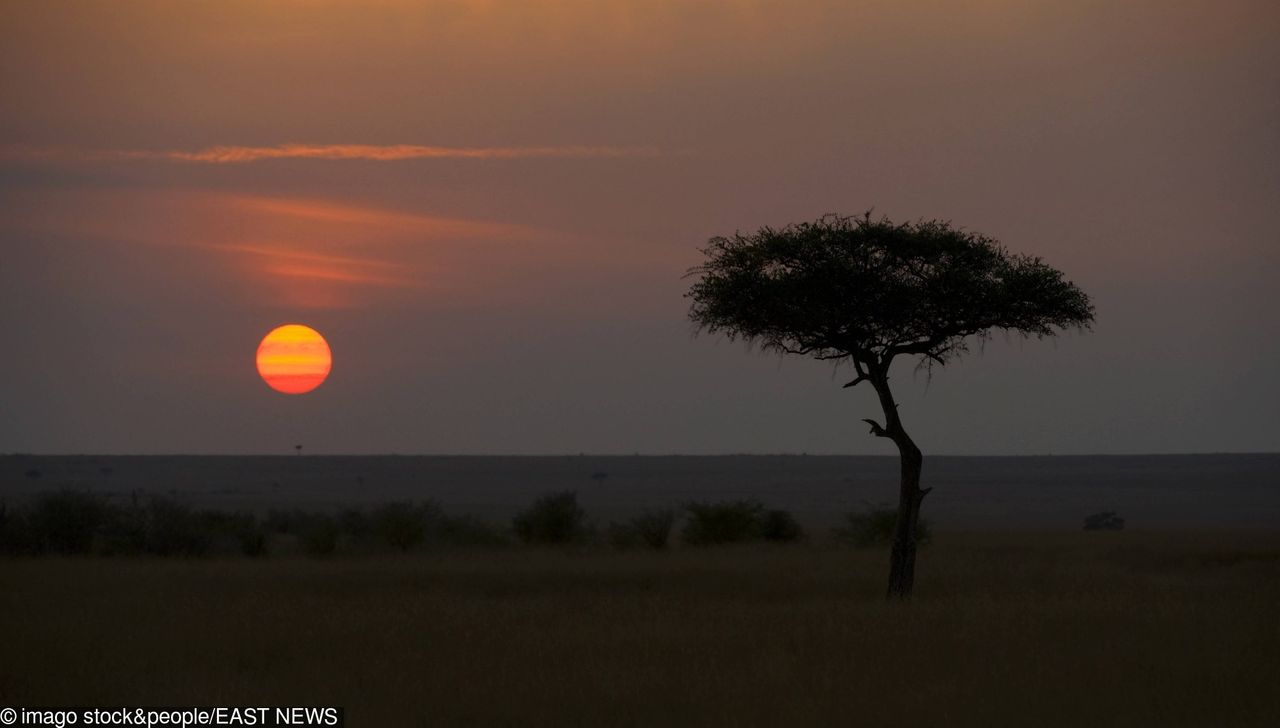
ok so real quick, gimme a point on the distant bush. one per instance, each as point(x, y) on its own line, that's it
point(283, 522)
point(1105, 521)
point(175, 530)
point(75, 523)
point(126, 533)
point(738, 522)
point(17, 537)
point(872, 526)
point(469, 531)
point(721, 523)
point(650, 529)
point(404, 525)
point(66, 522)
point(780, 526)
point(72, 523)
point(356, 526)
point(162, 527)
point(552, 519)
point(238, 531)
point(254, 542)
point(318, 534)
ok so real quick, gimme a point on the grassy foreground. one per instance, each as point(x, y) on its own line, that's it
point(1074, 629)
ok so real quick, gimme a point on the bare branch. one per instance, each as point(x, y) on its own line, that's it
point(876, 429)
point(860, 378)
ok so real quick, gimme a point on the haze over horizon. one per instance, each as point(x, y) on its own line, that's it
point(487, 209)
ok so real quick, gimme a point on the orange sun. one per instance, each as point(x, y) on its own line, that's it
point(294, 359)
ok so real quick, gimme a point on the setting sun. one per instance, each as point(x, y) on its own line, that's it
point(294, 359)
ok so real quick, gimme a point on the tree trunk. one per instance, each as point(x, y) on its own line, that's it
point(902, 558)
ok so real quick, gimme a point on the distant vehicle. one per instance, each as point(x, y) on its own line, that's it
point(1105, 521)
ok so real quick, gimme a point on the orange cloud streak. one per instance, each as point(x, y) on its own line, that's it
point(303, 256)
point(292, 263)
point(336, 275)
point(367, 152)
point(372, 217)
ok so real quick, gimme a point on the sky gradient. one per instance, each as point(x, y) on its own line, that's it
point(487, 208)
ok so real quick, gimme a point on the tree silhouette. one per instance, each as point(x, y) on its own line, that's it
point(864, 291)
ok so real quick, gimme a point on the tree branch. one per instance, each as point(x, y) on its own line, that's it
point(864, 375)
point(813, 350)
point(876, 429)
point(860, 378)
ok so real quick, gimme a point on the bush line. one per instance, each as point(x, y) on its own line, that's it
point(77, 523)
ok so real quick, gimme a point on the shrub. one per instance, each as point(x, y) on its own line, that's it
point(318, 534)
point(239, 531)
point(66, 522)
point(780, 526)
point(17, 537)
point(720, 523)
point(161, 527)
point(79, 523)
point(173, 529)
point(650, 529)
point(125, 533)
point(356, 524)
point(254, 543)
point(281, 521)
point(469, 531)
point(404, 525)
point(872, 526)
point(552, 519)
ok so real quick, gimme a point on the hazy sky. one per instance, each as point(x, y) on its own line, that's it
point(487, 208)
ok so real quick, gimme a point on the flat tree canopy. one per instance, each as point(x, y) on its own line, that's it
point(866, 291)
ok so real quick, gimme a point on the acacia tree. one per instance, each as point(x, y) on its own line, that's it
point(863, 292)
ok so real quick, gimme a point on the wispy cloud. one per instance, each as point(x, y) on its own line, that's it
point(308, 252)
point(285, 261)
point(330, 213)
point(366, 152)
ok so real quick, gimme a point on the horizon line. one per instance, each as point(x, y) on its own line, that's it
point(627, 455)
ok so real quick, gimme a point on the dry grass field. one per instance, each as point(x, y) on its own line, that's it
point(1075, 629)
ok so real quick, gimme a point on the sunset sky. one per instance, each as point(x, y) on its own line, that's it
point(487, 208)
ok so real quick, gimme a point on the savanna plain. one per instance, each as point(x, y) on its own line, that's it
point(1161, 627)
